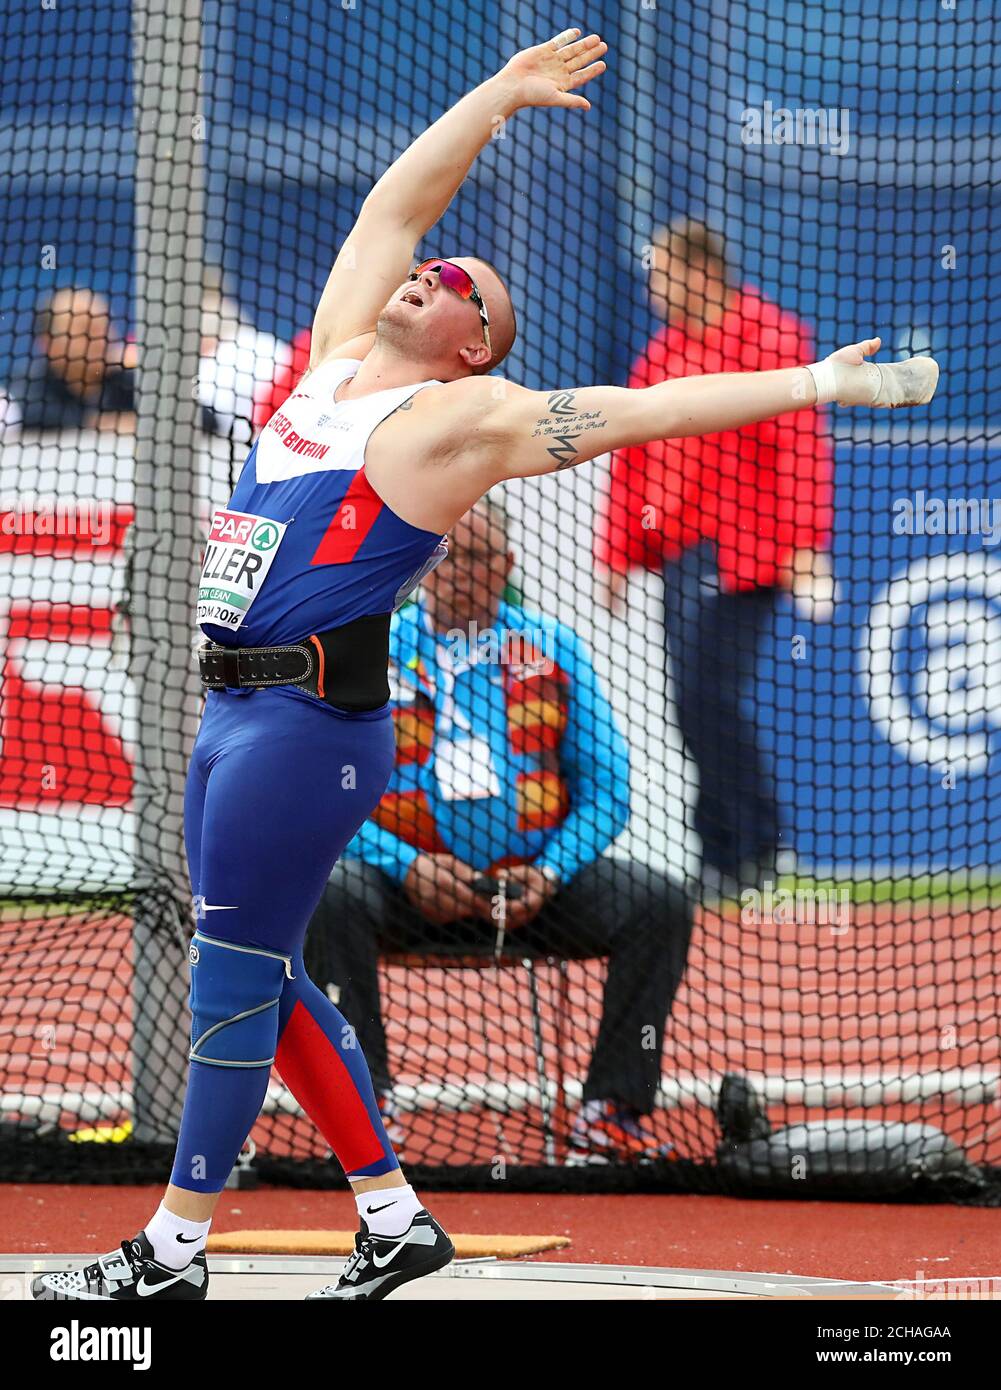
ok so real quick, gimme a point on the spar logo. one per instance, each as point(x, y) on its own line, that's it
point(930, 660)
point(240, 529)
point(234, 528)
point(265, 537)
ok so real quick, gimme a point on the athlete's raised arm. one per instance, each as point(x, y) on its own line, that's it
point(526, 433)
point(415, 191)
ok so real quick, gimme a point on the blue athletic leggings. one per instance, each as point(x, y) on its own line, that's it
point(278, 785)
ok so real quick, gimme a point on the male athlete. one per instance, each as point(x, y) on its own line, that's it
point(342, 507)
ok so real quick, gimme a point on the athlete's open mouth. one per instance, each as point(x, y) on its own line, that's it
point(411, 298)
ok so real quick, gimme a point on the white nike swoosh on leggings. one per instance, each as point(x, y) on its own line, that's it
point(215, 907)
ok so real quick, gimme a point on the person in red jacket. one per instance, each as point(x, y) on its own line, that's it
point(732, 519)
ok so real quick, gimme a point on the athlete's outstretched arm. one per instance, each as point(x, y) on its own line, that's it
point(526, 433)
point(415, 191)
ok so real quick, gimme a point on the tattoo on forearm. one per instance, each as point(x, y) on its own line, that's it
point(565, 424)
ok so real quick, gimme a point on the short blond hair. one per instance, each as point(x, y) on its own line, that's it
point(693, 242)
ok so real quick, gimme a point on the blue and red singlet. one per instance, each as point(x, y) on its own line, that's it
point(306, 544)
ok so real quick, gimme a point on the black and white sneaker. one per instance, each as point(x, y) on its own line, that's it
point(127, 1273)
point(381, 1264)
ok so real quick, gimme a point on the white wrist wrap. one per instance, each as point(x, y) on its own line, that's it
point(825, 380)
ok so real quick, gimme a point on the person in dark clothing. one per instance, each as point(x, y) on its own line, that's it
point(82, 376)
point(713, 641)
point(639, 919)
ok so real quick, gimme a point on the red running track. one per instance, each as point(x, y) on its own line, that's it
point(821, 1239)
point(901, 989)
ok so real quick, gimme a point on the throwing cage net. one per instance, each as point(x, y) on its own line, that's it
point(742, 694)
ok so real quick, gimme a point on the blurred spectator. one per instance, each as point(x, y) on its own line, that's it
point(237, 363)
point(287, 374)
point(731, 519)
point(81, 376)
point(509, 763)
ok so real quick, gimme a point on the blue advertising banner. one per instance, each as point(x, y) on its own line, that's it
point(885, 724)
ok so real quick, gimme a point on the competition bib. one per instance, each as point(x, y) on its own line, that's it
point(238, 554)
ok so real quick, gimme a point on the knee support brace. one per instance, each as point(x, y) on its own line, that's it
point(234, 1002)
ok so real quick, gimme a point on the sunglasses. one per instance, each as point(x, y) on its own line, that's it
point(453, 277)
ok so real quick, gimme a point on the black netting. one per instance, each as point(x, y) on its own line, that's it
point(748, 686)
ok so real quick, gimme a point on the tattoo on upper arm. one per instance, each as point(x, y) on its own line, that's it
point(564, 424)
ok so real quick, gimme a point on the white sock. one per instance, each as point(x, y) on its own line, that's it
point(390, 1210)
point(175, 1241)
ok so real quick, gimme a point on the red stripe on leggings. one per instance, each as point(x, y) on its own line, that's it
point(314, 1072)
